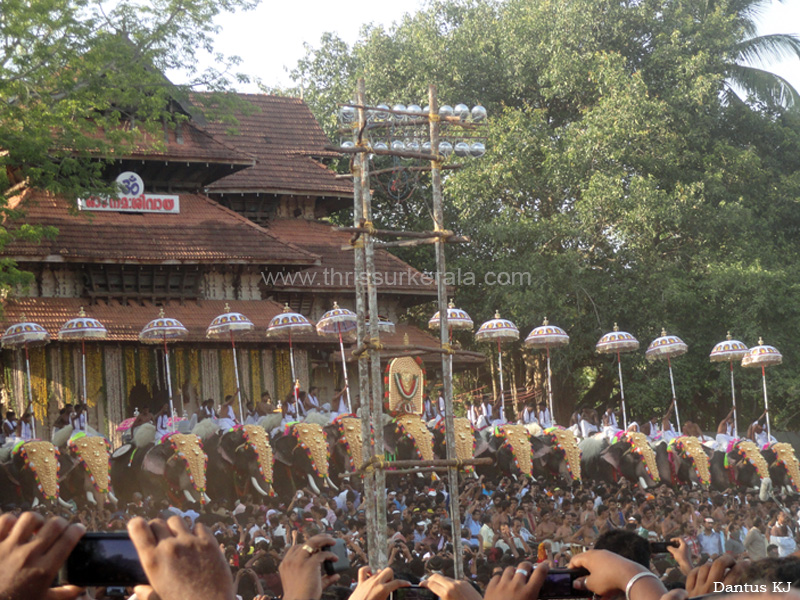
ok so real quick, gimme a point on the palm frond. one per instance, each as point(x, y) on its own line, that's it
point(766, 49)
point(763, 85)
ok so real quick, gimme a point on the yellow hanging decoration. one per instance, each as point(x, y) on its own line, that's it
point(194, 370)
point(144, 368)
point(94, 374)
point(177, 356)
point(255, 372)
point(228, 378)
point(39, 383)
point(129, 358)
point(69, 375)
point(283, 374)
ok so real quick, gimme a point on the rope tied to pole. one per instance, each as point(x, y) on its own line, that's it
point(368, 225)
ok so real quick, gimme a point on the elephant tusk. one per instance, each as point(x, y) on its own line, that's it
point(765, 493)
point(206, 499)
point(331, 484)
point(90, 497)
point(313, 484)
point(63, 503)
point(189, 497)
point(257, 487)
point(112, 497)
point(642, 483)
point(35, 502)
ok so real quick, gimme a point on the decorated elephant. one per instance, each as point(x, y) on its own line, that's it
point(301, 458)
point(513, 451)
point(407, 437)
point(784, 469)
point(687, 463)
point(172, 468)
point(469, 443)
point(85, 471)
point(32, 468)
point(240, 461)
point(562, 459)
point(627, 456)
point(345, 445)
point(740, 466)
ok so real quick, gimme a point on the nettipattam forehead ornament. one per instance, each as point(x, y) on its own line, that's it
point(42, 459)
point(350, 432)
point(313, 439)
point(189, 449)
point(748, 450)
point(693, 449)
point(257, 439)
point(93, 452)
point(639, 445)
point(414, 428)
point(785, 456)
point(406, 381)
point(516, 438)
point(566, 442)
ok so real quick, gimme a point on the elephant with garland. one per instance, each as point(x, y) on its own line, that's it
point(784, 469)
point(741, 465)
point(469, 443)
point(172, 468)
point(85, 474)
point(345, 445)
point(524, 450)
point(31, 473)
point(240, 461)
point(407, 437)
point(302, 457)
point(627, 456)
point(683, 461)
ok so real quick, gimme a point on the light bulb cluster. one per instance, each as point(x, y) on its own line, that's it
point(404, 129)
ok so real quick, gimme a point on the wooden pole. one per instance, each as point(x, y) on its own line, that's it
point(444, 336)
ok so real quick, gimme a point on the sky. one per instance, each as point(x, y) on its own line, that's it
point(270, 40)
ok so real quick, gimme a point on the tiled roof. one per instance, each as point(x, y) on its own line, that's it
point(125, 321)
point(283, 136)
point(203, 232)
point(336, 270)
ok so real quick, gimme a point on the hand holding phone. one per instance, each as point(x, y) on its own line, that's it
point(104, 559)
point(342, 562)
point(661, 547)
point(559, 584)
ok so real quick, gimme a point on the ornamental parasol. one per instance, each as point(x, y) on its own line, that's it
point(229, 322)
point(667, 346)
point(338, 321)
point(164, 330)
point(456, 319)
point(729, 351)
point(763, 356)
point(547, 336)
point(616, 342)
point(82, 328)
point(500, 330)
point(23, 335)
point(290, 322)
point(384, 325)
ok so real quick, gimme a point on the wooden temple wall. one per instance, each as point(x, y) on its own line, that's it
point(121, 378)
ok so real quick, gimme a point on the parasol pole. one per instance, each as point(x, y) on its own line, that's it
point(83, 370)
point(169, 383)
point(236, 371)
point(733, 397)
point(674, 397)
point(549, 382)
point(500, 371)
point(344, 367)
point(621, 393)
point(294, 379)
point(766, 403)
point(33, 413)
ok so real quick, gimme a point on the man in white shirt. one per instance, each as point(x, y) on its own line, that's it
point(26, 427)
point(473, 412)
point(313, 400)
point(545, 418)
point(528, 414)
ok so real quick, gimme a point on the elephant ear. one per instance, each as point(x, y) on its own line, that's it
point(613, 456)
point(5, 474)
point(282, 447)
point(539, 449)
point(227, 445)
point(155, 461)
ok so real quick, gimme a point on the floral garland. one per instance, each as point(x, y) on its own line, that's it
point(39, 383)
point(564, 441)
point(182, 443)
point(94, 374)
point(228, 375)
point(311, 437)
point(194, 370)
point(68, 375)
point(27, 451)
point(412, 427)
point(80, 444)
point(283, 374)
point(255, 374)
point(351, 423)
point(115, 401)
point(639, 445)
point(129, 360)
point(690, 447)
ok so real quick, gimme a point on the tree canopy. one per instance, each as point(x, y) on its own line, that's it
point(619, 172)
point(72, 68)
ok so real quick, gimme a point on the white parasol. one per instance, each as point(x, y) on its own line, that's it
point(289, 322)
point(23, 335)
point(339, 321)
point(616, 342)
point(547, 336)
point(456, 319)
point(663, 347)
point(230, 322)
point(384, 325)
point(729, 351)
point(162, 331)
point(500, 330)
point(82, 328)
point(763, 356)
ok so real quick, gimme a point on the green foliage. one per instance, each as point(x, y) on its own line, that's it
point(619, 175)
point(70, 70)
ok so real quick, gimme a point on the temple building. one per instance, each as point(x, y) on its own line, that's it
point(217, 221)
